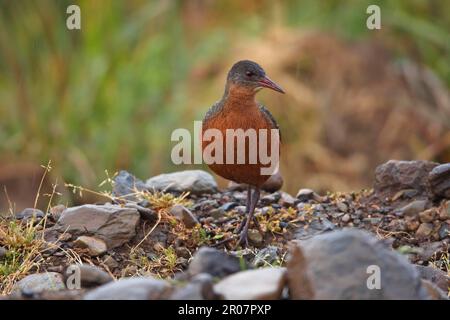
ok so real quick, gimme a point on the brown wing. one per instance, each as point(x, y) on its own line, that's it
point(215, 109)
point(270, 117)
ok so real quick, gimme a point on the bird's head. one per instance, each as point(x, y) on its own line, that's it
point(250, 75)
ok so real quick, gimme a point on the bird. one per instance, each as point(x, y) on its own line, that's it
point(238, 109)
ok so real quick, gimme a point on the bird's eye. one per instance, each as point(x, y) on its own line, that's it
point(249, 74)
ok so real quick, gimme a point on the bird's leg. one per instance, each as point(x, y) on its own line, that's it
point(247, 209)
point(255, 197)
point(249, 199)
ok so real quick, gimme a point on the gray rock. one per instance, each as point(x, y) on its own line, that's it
point(270, 198)
point(184, 215)
point(203, 205)
point(183, 252)
point(255, 237)
point(429, 250)
point(110, 262)
point(38, 282)
point(131, 289)
point(342, 206)
point(411, 224)
point(373, 221)
point(287, 200)
point(434, 292)
point(258, 284)
point(395, 175)
point(317, 226)
point(214, 262)
point(266, 256)
point(436, 276)
point(216, 214)
point(444, 231)
point(307, 194)
point(412, 209)
point(90, 276)
point(29, 213)
point(113, 224)
point(424, 230)
point(146, 213)
point(428, 215)
point(229, 206)
point(199, 288)
point(193, 181)
point(241, 209)
point(274, 183)
point(52, 295)
point(94, 246)
point(444, 211)
point(57, 210)
point(439, 180)
point(125, 184)
point(240, 196)
point(336, 265)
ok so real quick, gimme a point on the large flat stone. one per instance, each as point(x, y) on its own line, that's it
point(131, 289)
point(111, 223)
point(339, 265)
point(193, 181)
point(258, 284)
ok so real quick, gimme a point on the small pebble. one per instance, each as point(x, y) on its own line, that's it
point(342, 206)
point(424, 230)
point(229, 206)
point(444, 231)
point(346, 218)
point(255, 237)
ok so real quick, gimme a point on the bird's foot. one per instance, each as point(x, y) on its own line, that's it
point(241, 226)
point(258, 226)
point(255, 222)
point(243, 239)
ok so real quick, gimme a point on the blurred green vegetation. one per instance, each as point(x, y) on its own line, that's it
point(108, 96)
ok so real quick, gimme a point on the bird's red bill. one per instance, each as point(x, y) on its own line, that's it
point(267, 83)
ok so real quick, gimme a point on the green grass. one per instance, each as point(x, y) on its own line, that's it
point(24, 251)
point(163, 264)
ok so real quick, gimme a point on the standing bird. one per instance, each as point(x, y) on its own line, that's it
point(238, 109)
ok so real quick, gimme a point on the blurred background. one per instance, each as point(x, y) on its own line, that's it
point(108, 96)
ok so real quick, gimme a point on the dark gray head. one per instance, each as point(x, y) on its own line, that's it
point(250, 74)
